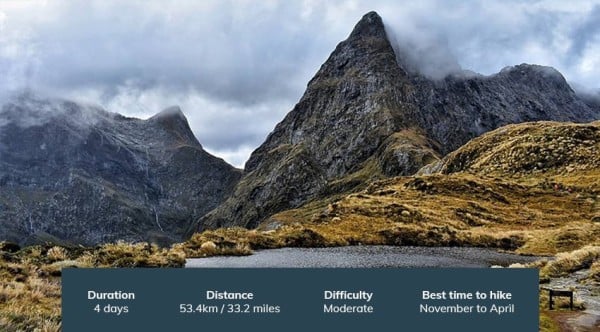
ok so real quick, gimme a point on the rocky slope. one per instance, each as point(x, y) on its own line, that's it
point(365, 116)
point(491, 192)
point(80, 174)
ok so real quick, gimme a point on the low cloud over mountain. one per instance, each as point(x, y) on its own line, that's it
point(229, 64)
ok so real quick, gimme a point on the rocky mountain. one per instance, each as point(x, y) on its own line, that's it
point(532, 187)
point(75, 173)
point(366, 115)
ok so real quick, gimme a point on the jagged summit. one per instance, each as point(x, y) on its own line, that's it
point(84, 175)
point(363, 117)
point(172, 111)
point(358, 77)
point(365, 55)
point(175, 122)
point(371, 25)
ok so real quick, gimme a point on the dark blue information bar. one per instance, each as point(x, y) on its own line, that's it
point(269, 300)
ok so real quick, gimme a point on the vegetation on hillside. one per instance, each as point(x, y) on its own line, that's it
point(529, 188)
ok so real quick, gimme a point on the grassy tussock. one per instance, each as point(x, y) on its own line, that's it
point(29, 298)
point(569, 262)
point(539, 148)
point(123, 254)
point(452, 210)
point(30, 278)
point(240, 241)
point(547, 324)
point(225, 241)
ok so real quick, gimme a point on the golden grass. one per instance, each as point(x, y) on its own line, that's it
point(531, 188)
point(57, 254)
point(30, 278)
point(225, 241)
point(530, 149)
point(123, 254)
point(568, 262)
point(444, 210)
point(29, 299)
point(547, 324)
point(239, 241)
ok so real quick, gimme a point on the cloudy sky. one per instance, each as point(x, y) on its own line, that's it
point(237, 67)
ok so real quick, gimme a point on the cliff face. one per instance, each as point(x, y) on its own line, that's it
point(350, 107)
point(79, 174)
point(462, 107)
point(364, 116)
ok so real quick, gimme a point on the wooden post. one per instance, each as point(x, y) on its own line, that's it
point(571, 300)
point(563, 293)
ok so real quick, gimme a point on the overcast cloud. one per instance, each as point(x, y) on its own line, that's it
point(237, 67)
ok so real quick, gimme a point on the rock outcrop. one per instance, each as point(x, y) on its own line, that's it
point(364, 116)
point(79, 174)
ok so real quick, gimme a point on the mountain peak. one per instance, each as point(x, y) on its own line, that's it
point(170, 112)
point(363, 117)
point(61, 154)
point(174, 121)
point(370, 25)
point(171, 116)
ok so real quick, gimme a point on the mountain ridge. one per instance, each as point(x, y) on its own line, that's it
point(74, 173)
point(364, 117)
point(488, 193)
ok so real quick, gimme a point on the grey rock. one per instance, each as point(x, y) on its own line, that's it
point(459, 108)
point(78, 174)
point(364, 113)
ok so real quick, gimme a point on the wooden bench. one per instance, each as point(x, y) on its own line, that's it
point(559, 293)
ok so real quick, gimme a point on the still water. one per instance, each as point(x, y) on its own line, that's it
point(366, 257)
